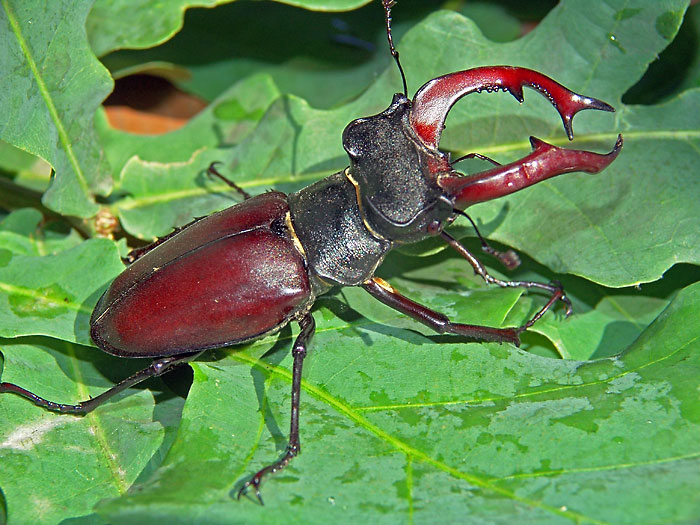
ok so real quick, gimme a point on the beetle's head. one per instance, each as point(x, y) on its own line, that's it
point(408, 188)
point(391, 168)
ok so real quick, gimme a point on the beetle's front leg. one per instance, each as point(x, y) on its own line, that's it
point(555, 289)
point(307, 326)
point(387, 294)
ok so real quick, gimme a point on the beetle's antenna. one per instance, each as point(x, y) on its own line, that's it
point(388, 4)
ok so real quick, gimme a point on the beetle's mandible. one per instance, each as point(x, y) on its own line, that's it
point(247, 271)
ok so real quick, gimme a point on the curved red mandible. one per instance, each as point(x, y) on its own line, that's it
point(434, 100)
point(544, 162)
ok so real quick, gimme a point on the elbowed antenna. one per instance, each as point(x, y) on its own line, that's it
point(388, 4)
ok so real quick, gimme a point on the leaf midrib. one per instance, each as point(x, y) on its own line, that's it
point(161, 197)
point(411, 453)
point(354, 415)
point(48, 100)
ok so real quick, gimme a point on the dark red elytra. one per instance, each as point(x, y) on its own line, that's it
point(248, 280)
point(249, 270)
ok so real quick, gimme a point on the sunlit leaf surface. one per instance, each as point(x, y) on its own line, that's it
point(595, 419)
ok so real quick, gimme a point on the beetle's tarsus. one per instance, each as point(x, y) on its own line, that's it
point(557, 291)
point(255, 483)
point(554, 288)
point(156, 369)
point(563, 297)
point(509, 258)
point(256, 480)
point(299, 351)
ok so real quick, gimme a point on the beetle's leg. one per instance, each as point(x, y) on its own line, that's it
point(307, 326)
point(211, 170)
point(475, 156)
point(383, 291)
point(137, 253)
point(509, 258)
point(555, 289)
point(157, 368)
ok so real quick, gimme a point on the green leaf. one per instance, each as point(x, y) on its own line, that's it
point(55, 295)
point(384, 403)
point(49, 92)
point(692, 23)
point(119, 24)
point(480, 430)
point(20, 233)
point(14, 159)
point(61, 465)
point(397, 423)
point(225, 122)
point(147, 211)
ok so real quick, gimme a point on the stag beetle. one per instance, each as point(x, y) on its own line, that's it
point(247, 271)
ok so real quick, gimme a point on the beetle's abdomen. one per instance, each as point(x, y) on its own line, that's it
point(233, 288)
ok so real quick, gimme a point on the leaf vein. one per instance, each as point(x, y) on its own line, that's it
point(48, 100)
point(401, 446)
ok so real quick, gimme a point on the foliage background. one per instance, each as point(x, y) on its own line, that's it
point(595, 418)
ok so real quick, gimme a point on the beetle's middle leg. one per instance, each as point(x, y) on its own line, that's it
point(137, 253)
point(509, 258)
point(555, 289)
point(307, 326)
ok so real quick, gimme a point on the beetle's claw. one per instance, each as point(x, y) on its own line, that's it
point(255, 482)
point(569, 307)
point(560, 295)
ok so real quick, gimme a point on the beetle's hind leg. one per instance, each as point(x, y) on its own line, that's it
point(307, 326)
point(554, 289)
point(157, 368)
